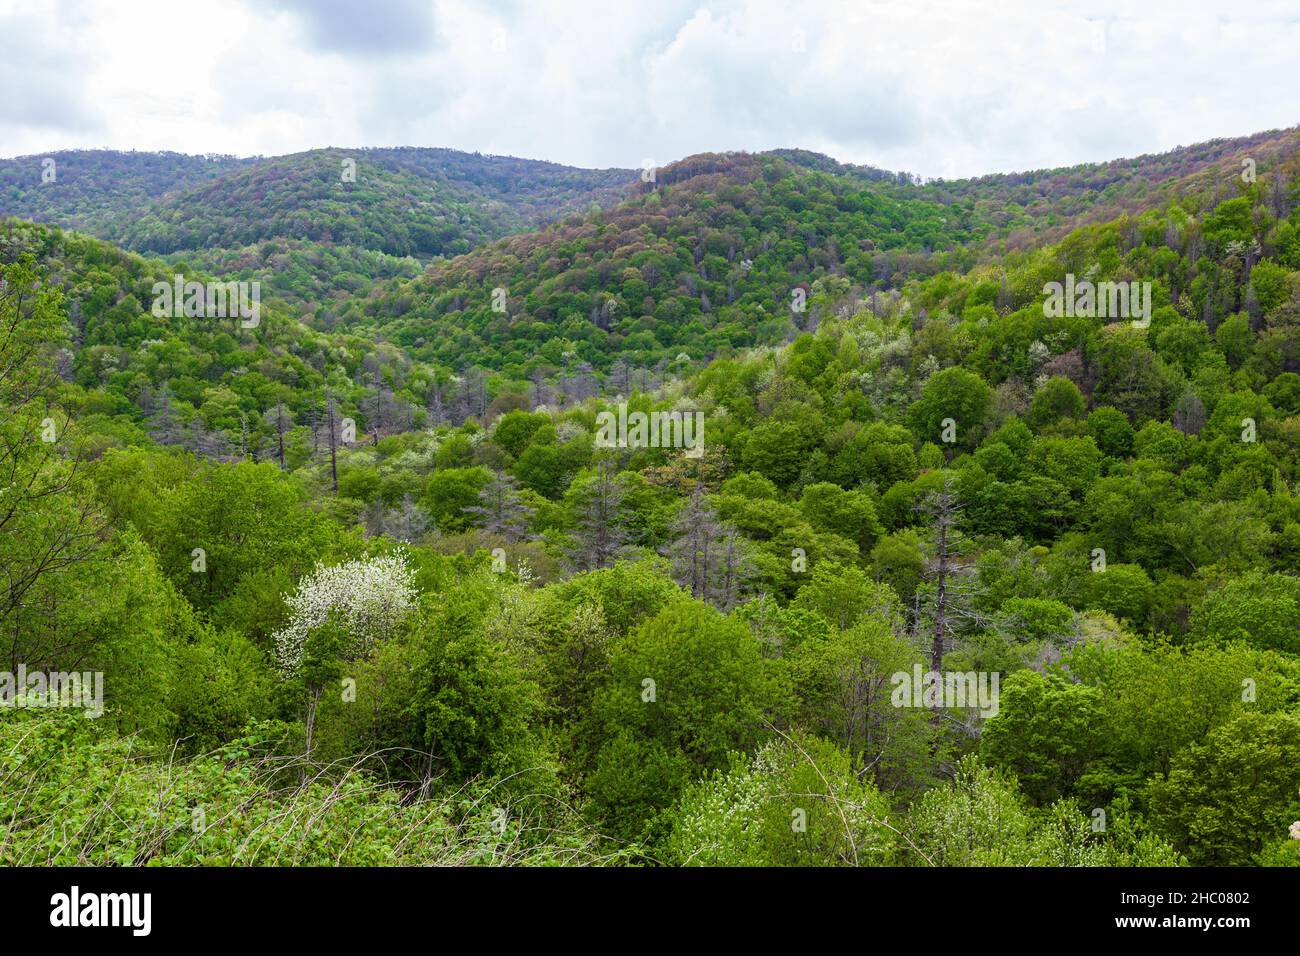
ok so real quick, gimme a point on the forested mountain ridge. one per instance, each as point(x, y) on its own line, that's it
point(311, 226)
point(417, 202)
point(323, 563)
point(405, 201)
point(314, 239)
point(1039, 206)
point(719, 252)
point(100, 191)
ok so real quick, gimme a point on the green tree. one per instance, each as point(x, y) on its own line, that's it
point(797, 802)
point(844, 595)
point(1058, 398)
point(1225, 799)
point(1125, 590)
point(1262, 610)
point(957, 394)
point(850, 514)
point(844, 681)
point(472, 704)
point(1045, 733)
point(229, 522)
point(685, 689)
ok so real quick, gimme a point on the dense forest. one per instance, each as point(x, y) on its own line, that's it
point(366, 584)
point(310, 225)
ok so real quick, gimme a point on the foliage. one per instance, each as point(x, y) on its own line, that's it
point(364, 562)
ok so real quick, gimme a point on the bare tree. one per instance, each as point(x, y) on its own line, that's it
point(602, 532)
point(408, 522)
point(375, 404)
point(708, 556)
point(437, 405)
point(735, 569)
point(500, 508)
point(1279, 195)
point(949, 569)
point(280, 418)
point(620, 377)
point(165, 425)
point(1251, 304)
point(330, 431)
point(474, 388)
point(1189, 417)
point(246, 448)
point(459, 408)
point(1003, 303)
point(212, 445)
point(541, 391)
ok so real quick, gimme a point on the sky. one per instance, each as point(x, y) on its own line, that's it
point(933, 87)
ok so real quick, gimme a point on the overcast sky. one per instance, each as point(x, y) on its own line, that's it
point(928, 86)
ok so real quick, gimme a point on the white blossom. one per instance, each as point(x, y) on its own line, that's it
point(568, 430)
point(372, 596)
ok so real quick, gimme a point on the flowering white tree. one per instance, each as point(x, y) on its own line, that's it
point(370, 597)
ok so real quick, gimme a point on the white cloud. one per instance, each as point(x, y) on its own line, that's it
point(936, 87)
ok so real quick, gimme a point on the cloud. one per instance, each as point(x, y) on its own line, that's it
point(40, 74)
point(929, 86)
point(369, 28)
point(772, 77)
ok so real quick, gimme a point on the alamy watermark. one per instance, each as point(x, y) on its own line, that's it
point(40, 689)
point(213, 300)
point(1098, 300)
point(935, 689)
point(675, 429)
point(130, 910)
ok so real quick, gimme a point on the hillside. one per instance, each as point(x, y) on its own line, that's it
point(100, 191)
point(720, 252)
point(1039, 206)
point(410, 201)
point(379, 561)
point(418, 202)
point(706, 258)
point(292, 221)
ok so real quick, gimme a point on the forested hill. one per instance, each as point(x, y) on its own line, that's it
point(409, 201)
point(418, 202)
point(372, 565)
point(312, 226)
point(1041, 203)
point(721, 251)
point(316, 239)
point(401, 202)
point(101, 191)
